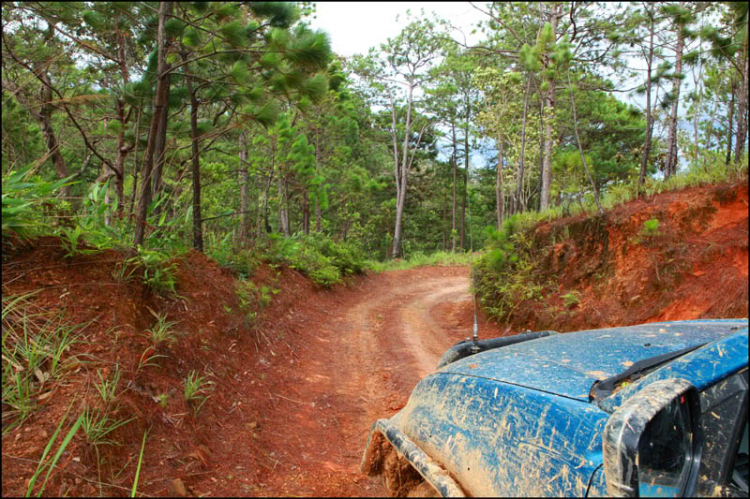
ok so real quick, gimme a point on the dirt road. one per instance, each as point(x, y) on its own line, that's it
point(365, 348)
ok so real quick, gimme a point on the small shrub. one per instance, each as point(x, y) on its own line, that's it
point(158, 274)
point(252, 299)
point(571, 299)
point(162, 332)
point(195, 391)
point(246, 296)
point(650, 227)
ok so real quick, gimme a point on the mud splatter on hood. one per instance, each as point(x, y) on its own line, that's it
point(569, 364)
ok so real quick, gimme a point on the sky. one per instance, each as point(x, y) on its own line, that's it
point(354, 27)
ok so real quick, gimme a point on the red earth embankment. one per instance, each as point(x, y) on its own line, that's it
point(679, 255)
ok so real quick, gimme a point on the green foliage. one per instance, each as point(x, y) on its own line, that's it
point(53, 462)
point(22, 197)
point(159, 272)
point(70, 240)
point(507, 274)
point(138, 467)
point(99, 424)
point(107, 388)
point(34, 344)
point(196, 390)
point(240, 260)
point(252, 299)
point(571, 299)
point(319, 257)
point(650, 227)
point(420, 259)
point(162, 332)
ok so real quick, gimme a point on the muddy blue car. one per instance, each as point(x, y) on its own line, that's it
point(658, 409)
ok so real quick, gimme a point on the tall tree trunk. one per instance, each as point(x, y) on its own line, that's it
point(697, 115)
point(122, 153)
point(671, 167)
point(135, 162)
point(244, 191)
point(499, 190)
point(710, 130)
point(454, 160)
point(45, 120)
point(196, 168)
point(522, 153)
point(549, 98)
point(305, 201)
point(263, 224)
point(403, 175)
point(445, 221)
point(463, 209)
point(283, 214)
point(741, 137)
point(318, 211)
point(730, 120)
point(161, 141)
point(649, 118)
point(159, 107)
point(466, 170)
point(122, 149)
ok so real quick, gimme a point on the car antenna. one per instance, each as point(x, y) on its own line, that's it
point(475, 338)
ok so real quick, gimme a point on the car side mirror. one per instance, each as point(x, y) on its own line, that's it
point(652, 443)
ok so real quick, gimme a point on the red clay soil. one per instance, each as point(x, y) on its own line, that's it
point(296, 390)
point(294, 393)
point(694, 266)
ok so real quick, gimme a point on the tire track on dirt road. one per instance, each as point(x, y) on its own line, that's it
point(366, 352)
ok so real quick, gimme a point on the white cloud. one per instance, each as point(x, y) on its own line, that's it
point(354, 27)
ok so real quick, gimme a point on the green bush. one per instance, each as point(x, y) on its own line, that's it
point(21, 199)
point(159, 274)
point(319, 257)
point(650, 227)
point(506, 274)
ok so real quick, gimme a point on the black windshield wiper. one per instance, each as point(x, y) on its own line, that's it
point(605, 388)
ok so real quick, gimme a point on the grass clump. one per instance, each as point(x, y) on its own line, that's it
point(34, 344)
point(650, 227)
point(159, 274)
point(251, 299)
point(162, 332)
point(196, 390)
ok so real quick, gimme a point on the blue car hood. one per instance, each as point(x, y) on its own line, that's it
point(569, 364)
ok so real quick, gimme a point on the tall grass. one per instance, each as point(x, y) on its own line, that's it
point(51, 465)
point(34, 343)
point(418, 259)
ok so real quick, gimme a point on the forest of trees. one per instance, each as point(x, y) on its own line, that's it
point(224, 124)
